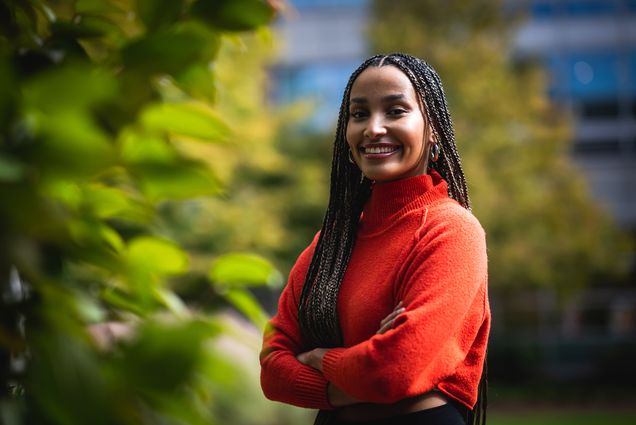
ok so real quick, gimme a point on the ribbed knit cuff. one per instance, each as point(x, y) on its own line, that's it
point(330, 363)
point(311, 389)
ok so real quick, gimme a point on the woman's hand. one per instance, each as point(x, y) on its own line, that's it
point(387, 322)
point(337, 397)
point(313, 358)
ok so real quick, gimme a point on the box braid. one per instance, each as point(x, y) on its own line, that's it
point(350, 189)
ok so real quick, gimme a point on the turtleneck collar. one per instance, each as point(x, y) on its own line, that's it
point(395, 198)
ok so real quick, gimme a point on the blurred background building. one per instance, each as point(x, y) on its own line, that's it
point(322, 41)
point(588, 50)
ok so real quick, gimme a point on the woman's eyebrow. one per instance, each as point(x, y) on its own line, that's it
point(393, 97)
point(358, 100)
point(387, 98)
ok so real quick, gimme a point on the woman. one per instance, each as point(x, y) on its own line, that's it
point(385, 317)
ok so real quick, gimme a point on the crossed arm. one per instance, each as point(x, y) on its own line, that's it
point(313, 358)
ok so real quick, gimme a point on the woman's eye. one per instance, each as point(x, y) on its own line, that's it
point(357, 114)
point(397, 111)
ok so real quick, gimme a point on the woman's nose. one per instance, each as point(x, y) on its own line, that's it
point(375, 127)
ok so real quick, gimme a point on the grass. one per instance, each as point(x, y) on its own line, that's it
point(550, 403)
point(583, 416)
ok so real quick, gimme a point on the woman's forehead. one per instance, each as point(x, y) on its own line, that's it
point(382, 80)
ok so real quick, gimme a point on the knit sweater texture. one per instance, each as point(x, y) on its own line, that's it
point(415, 245)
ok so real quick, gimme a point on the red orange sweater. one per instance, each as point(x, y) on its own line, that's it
point(414, 245)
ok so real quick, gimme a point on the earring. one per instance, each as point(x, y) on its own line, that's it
point(435, 152)
point(351, 158)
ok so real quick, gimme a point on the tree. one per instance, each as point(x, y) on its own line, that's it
point(543, 228)
point(105, 111)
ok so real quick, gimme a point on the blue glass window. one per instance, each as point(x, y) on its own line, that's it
point(631, 63)
point(585, 75)
point(593, 75)
point(543, 9)
point(591, 7)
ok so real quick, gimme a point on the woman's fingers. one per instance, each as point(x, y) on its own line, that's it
point(304, 357)
point(387, 322)
point(313, 358)
point(385, 328)
point(397, 310)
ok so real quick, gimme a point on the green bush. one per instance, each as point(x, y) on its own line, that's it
point(98, 100)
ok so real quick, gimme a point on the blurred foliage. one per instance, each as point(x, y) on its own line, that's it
point(114, 116)
point(543, 227)
point(276, 179)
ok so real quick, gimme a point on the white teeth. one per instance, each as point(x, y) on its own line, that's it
point(380, 149)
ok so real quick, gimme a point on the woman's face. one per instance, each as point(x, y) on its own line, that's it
point(386, 131)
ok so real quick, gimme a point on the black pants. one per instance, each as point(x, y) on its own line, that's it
point(446, 414)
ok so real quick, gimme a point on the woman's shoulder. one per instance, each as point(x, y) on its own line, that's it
point(450, 214)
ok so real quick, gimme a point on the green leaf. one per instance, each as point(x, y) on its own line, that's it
point(187, 119)
point(88, 309)
point(156, 14)
point(71, 144)
point(108, 202)
point(165, 356)
point(138, 147)
point(124, 301)
point(94, 234)
point(10, 169)
point(76, 369)
point(171, 301)
point(74, 30)
point(112, 238)
point(233, 15)
point(170, 51)
point(64, 191)
point(245, 302)
point(199, 82)
point(156, 256)
point(177, 181)
point(240, 269)
point(73, 87)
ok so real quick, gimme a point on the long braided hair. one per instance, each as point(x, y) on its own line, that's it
point(350, 189)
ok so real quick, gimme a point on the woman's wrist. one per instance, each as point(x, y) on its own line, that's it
point(338, 398)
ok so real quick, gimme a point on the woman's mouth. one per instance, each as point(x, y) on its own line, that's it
point(378, 151)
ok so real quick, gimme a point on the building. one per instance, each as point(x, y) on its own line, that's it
point(588, 48)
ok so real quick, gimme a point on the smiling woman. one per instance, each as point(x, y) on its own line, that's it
point(385, 318)
point(387, 132)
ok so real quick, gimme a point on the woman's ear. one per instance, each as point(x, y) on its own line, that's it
point(431, 138)
point(432, 144)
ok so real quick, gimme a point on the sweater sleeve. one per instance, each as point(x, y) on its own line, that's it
point(283, 378)
point(444, 292)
